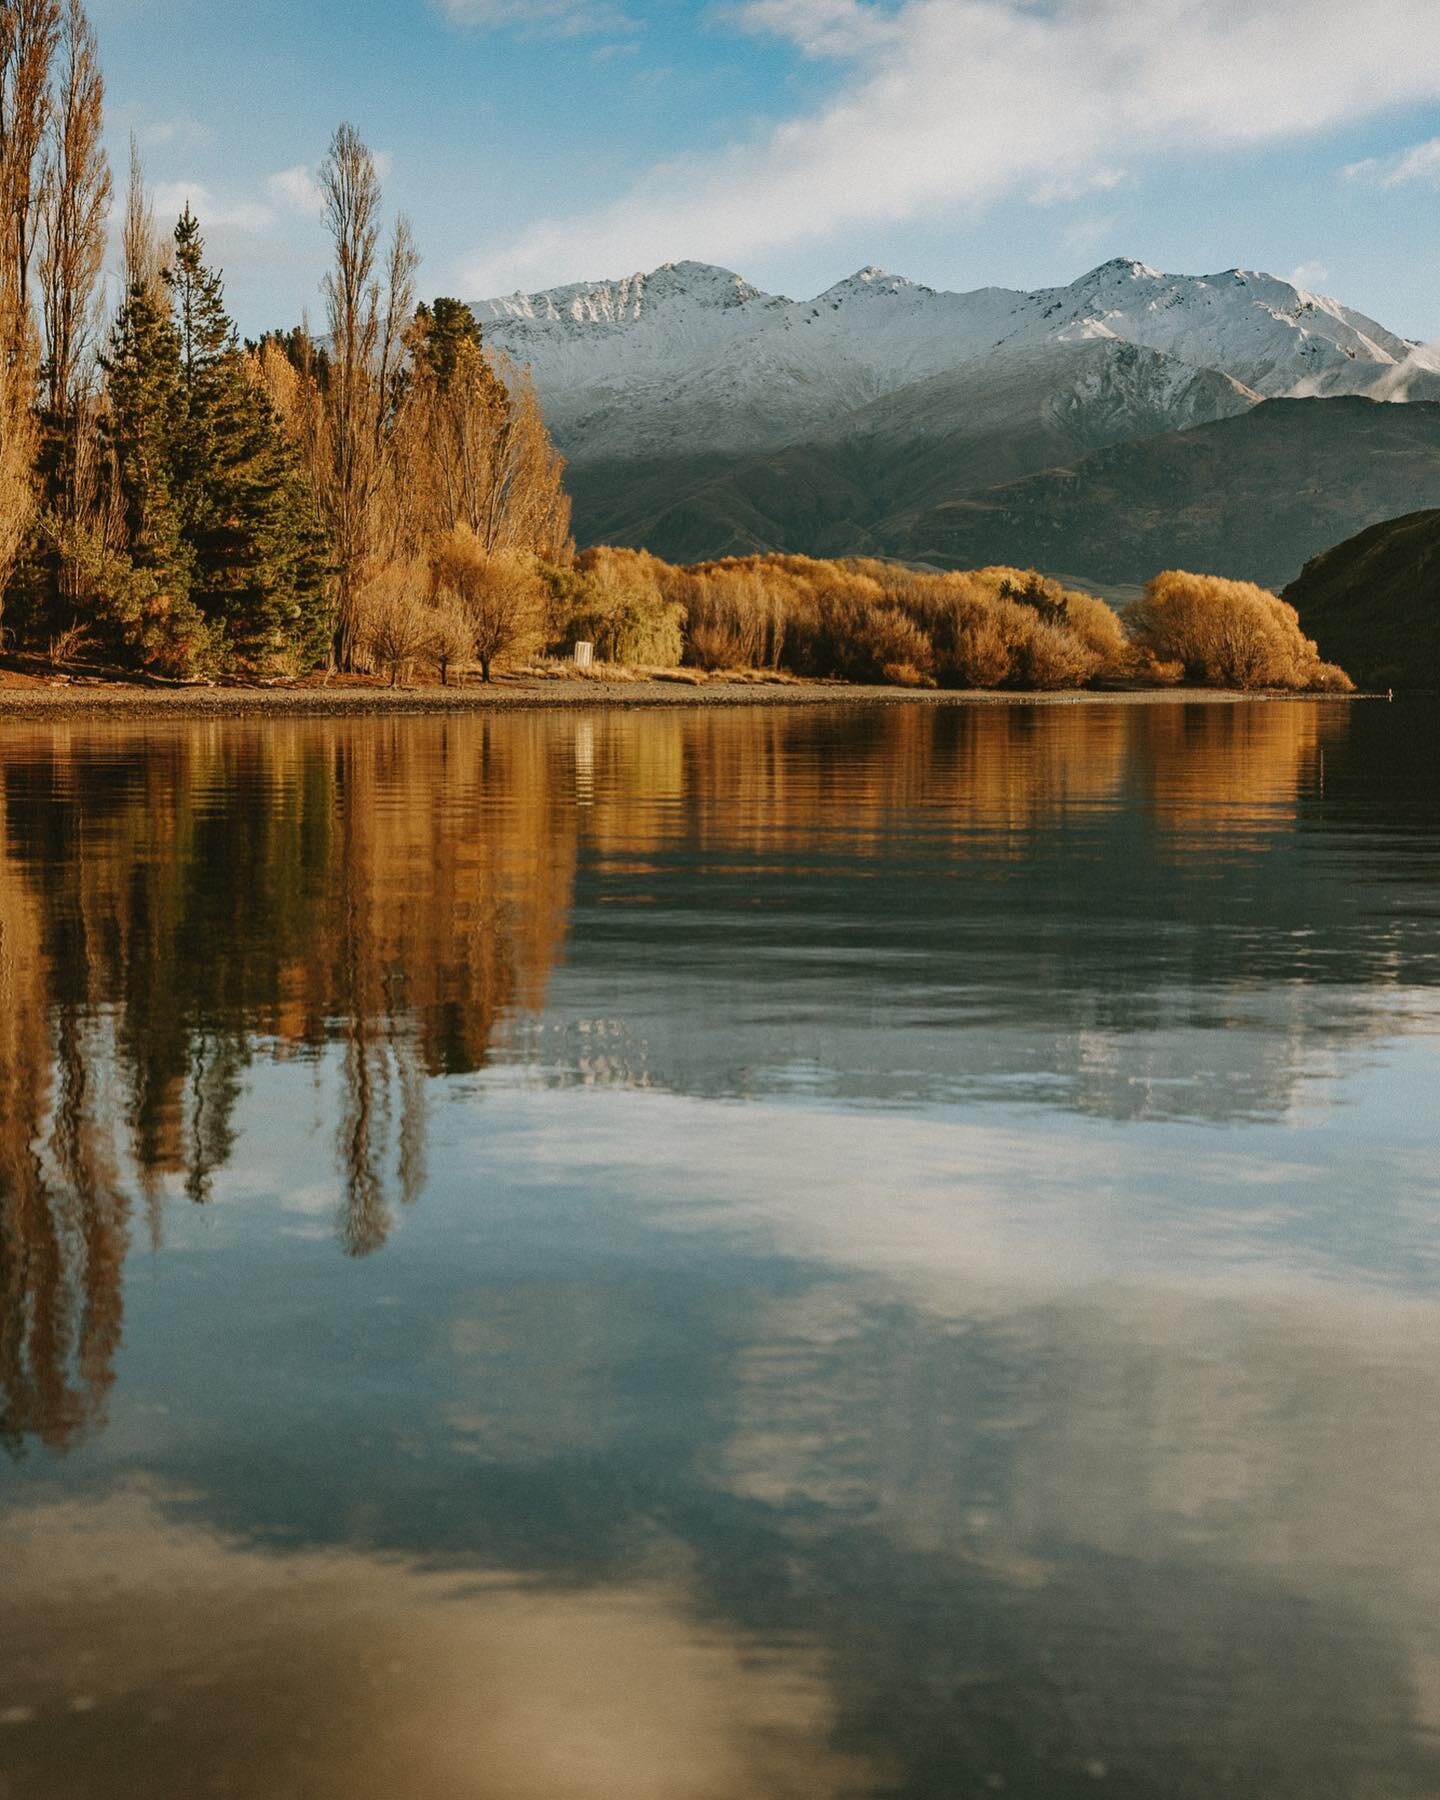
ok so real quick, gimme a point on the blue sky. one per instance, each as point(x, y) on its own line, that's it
point(961, 142)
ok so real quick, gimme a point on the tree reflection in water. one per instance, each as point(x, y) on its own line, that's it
point(178, 901)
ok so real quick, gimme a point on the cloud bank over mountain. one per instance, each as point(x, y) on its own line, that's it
point(942, 105)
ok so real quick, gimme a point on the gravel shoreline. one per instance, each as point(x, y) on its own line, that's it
point(42, 699)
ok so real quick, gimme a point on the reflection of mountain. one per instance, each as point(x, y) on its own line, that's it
point(787, 1449)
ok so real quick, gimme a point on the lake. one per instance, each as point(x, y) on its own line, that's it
point(706, 1254)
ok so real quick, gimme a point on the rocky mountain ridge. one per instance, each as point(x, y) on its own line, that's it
point(690, 347)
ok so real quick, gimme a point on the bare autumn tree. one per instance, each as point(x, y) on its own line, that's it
point(395, 627)
point(474, 452)
point(74, 204)
point(526, 506)
point(29, 33)
point(17, 424)
point(368, 307)
point(497, 592)
point(144, 250)
point(292, 381)
point(29, 30)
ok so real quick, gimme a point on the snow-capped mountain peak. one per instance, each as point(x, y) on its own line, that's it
point(674, 286)
point(867, 281)
point(692, 357)
point(1119, 269)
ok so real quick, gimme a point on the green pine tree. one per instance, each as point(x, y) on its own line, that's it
point(149, 616)
point(247, 515)
point(443, 329)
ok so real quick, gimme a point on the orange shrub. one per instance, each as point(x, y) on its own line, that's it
point(1228, 634)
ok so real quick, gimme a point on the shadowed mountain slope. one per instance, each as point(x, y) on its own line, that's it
point(999, 418)
point(1375, 601)
point(1253, 497)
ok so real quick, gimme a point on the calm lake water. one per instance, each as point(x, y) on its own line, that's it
point(712, 1255)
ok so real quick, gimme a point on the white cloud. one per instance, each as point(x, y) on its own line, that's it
point(548, 18)
point(1078, 187)
point(181, 133)
point(176, 134)
point(289, 193)
point(298, 190)
point(1309, 275)
point(1090, 233)
point(1421, 162)
point(947, 104)
point(819, 27)
point(172, 197)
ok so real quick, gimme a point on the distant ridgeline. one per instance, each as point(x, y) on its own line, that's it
point(1129, 422)
point(1374, 602)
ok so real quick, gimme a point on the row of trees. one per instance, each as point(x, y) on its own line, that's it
point(854, 619)
point(862, 620)
point(175, 501)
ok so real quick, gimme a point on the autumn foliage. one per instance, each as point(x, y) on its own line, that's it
point(1228, 634)
point(386, 499)
point(857, 619)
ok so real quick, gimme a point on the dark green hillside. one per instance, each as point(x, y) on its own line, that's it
point(849, 490)
point(1253, 497)
point(1373, 602)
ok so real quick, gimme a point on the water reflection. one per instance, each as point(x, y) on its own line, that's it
point(1101, 888)
point(885, 1253)
point(345, 1674)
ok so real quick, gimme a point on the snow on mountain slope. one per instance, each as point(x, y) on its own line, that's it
point(1275, 337)
point(694, 358)
point(593, 334)
point(1082, 393)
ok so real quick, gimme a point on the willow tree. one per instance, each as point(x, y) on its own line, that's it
point(368, 306)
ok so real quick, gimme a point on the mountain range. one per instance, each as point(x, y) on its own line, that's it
point(704, 417)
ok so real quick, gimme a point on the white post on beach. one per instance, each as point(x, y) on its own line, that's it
point(584, 654)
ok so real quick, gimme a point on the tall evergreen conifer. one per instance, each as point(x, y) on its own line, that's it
point(247, 514)
point(443, 330)
point(153, 614)
point(146, 411)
